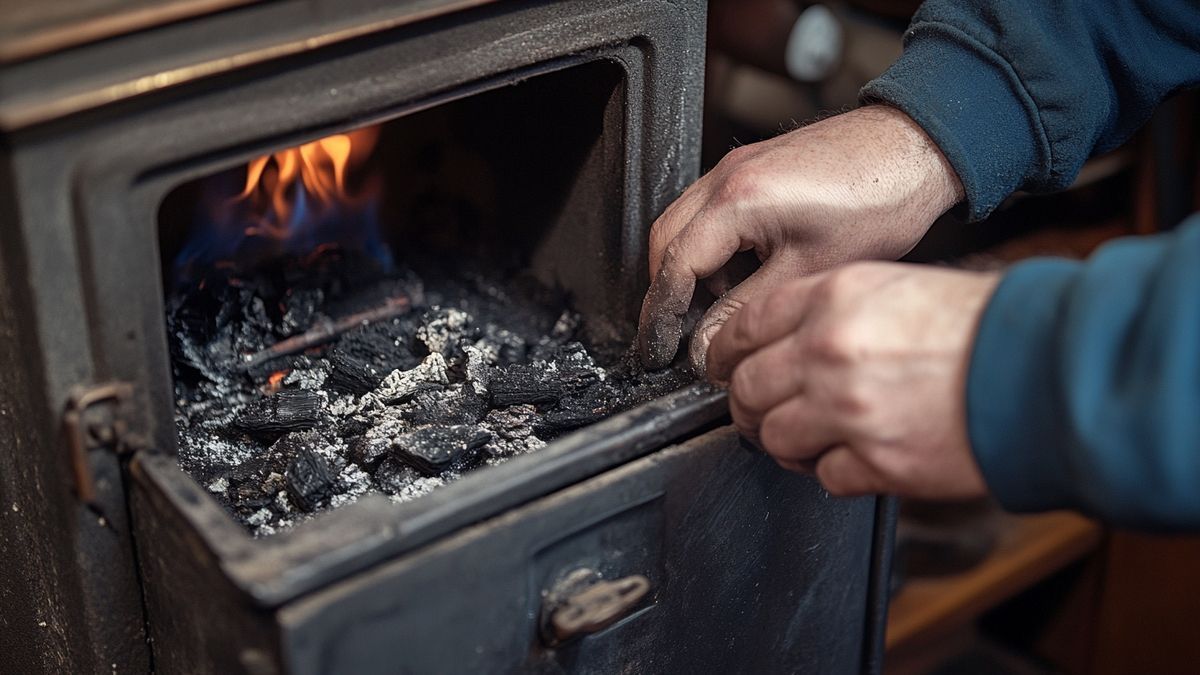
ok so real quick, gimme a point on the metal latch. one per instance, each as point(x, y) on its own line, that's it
point(591, 605)
point(96, 417)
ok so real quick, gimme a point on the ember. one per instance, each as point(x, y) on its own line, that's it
point(478, 372)
point(311, 368)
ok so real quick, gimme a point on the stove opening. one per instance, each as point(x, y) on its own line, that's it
point(385, 309)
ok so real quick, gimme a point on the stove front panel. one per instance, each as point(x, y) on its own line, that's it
point(751, 569)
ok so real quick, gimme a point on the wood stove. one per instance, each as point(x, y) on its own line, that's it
point(652, 541)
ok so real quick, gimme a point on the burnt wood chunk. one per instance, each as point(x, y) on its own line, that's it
point(575, 411)
point(289, 410)
point(369, 451)
point(309, 481)
point(447, 408)
point(432, 450)
point(536, 384)
point(352, 375)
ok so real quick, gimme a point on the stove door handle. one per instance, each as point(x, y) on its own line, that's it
point(596, 607)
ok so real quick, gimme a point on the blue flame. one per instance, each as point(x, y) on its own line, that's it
point(229, 235)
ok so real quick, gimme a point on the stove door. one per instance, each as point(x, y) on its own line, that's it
point(723, 562)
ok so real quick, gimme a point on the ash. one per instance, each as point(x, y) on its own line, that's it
point(480, 369)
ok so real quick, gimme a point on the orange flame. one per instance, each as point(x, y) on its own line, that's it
point(319, 169)
point(275, 381)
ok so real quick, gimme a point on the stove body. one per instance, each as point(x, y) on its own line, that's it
point(750, 569)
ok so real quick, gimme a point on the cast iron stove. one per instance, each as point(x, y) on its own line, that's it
point(600, 520)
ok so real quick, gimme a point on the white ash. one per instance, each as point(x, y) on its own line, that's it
point(357, 483)
point(260, 517)
point(312, 377)
point(440, 374)
point(477, 367)
point(566, 326)
point(399, 384)
point(423, 486)
point(442, 331)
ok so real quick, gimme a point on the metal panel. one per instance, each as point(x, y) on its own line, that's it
point(753, 570)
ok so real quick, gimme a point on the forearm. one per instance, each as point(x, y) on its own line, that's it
point(1084, 386)
point(1018, 94)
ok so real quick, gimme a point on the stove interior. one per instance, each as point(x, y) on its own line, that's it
point(388, 308)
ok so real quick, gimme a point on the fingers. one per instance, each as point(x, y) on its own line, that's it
point(794, 431)
point(845, 474)
point(674, 219)
point(768, 317)
point(764, 380)
point(700, 249)
point(773, 272)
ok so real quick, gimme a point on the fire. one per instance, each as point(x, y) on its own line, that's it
point(283, 187)
point(275, 381)
point(294, 203)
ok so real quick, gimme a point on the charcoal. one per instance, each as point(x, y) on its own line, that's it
point(447, 407)
point(301, 310)
point(253, 483)
point(481, 371)
point(512, 423)
point(578, 411)
point(308, 480)
point(368, 451)
point(385, 345)
point(510, 348)
point(535, 384)
point(512, 431)
point(289, 410)
point(352, 427)
point(432, 450)
point(352, 375)
point(522, 384)
point(393, 476)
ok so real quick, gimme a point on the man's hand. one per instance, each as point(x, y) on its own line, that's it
point(866, 184)
point(859, 373)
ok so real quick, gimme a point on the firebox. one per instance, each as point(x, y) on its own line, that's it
point(313, 321)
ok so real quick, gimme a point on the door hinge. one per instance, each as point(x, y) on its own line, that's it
point(96, 417)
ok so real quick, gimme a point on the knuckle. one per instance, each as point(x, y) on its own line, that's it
point(833, 343)
point(673, 255)
point(737, 155)
point(852, 400)
point(660, 234)
point(740, 185)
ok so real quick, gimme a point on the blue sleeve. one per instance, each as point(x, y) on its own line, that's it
point(1084, 384)
point(1018, 93)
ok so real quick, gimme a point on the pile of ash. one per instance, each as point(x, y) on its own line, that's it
point(467, 370)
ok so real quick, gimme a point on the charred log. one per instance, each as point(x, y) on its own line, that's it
point(431, 450)
point(309, 482)
point(289, 410)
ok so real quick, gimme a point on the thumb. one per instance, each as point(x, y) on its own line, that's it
point(774, 272)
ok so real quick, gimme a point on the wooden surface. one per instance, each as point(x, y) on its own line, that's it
point(1029, 549)
point(1148, 607)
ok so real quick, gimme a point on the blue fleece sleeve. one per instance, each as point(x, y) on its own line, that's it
point(1084, 385)
point(1018, 93)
